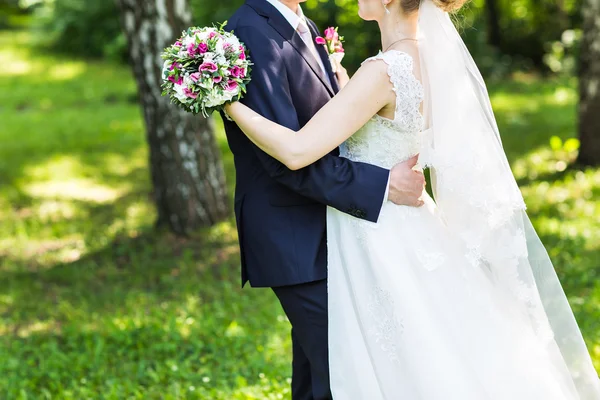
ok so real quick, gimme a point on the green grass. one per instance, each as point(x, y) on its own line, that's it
point(95, 304)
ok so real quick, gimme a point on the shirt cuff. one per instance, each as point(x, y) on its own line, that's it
point(387, 189)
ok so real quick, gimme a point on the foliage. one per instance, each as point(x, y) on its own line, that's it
point(95, 304)
point(562, 54)
point(88, 28)
point(527, 26)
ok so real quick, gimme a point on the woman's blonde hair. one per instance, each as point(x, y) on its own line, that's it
point(409, 6)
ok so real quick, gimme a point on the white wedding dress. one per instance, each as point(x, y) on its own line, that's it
point(411, 317)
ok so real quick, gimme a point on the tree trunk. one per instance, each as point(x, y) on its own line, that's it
point(589, 85)
point(185, 164)
point(493, 18)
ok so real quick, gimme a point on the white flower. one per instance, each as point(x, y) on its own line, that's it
point(209, 57)
point(220, 59)
point(206, 83)
point(232, 93)
point(187, 81)
point(218, 96)
point(202, 36)
point(233, 40)
point(187, 41)
point(219, 49)
point(179, 94)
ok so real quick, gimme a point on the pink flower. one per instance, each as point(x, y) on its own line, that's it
point(174, 65)
point(237, 72)
point(212, 35)
point(231, 86)
point(208, 67)
point(189, 93)
point(331, 34)
point(195, 76)
point(177, 82)
point(242, 53)
point(191, 50)
point(217, 79)
point(320, 40)
point(338, 48)
point(202, 48)
point(178, 43)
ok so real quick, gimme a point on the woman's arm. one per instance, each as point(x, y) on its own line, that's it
point(367, 93)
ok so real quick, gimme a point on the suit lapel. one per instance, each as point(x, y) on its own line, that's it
point(309, 57)
point(281, 25)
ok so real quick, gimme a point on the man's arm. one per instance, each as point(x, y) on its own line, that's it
point(351, 187)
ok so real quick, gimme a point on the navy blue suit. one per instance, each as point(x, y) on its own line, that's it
point(281, 214)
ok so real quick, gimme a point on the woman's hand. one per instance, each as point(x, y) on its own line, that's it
point(341, 73)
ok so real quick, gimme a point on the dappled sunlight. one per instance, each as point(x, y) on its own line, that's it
point(279, 346)
point(66, 71)
point(18, 60)
point(508, 101)
point(24, 331)
point(60, 177)
point(516, 104)
point(60, 167)
point(33, 254)
point(14, 67)
point(562, 202)
point(563, 96)
point(546, 160)
point(80, 189)
point(124, 164)
point(53, 210)
point(565, 229)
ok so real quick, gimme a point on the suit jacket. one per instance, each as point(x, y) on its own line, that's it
point(281, 214)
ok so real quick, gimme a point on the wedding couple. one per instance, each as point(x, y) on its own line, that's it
point(390, 293)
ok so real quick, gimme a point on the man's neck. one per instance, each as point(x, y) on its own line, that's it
point(291, 4)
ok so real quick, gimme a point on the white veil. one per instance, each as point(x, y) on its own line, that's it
point(479, 199)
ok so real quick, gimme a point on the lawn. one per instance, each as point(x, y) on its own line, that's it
point(95, 304)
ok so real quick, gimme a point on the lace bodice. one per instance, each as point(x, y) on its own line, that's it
point(383, 141)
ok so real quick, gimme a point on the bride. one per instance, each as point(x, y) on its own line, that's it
point(457, 299)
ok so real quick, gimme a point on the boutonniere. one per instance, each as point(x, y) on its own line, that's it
point(333, 42)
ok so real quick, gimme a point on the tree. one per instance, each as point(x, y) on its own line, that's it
point(493, 22)
point(589, 85)
point(187, 173)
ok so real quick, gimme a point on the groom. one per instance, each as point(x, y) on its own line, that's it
point(281, 214)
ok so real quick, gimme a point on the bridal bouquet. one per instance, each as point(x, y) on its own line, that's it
point(333, 42)
point(204, 69)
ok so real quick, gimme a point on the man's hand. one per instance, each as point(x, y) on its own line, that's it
point(406, 184)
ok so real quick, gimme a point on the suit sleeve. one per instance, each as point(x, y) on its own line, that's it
point(354, 188)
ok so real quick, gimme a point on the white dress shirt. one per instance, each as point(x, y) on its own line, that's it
point(295, 19)
point(299, 23)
